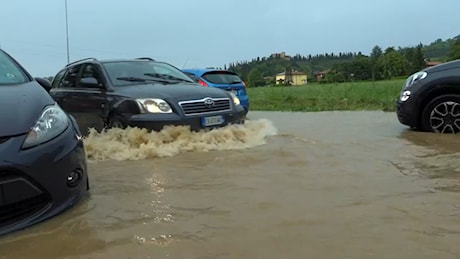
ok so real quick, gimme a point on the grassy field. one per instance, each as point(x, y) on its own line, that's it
point(379, 95)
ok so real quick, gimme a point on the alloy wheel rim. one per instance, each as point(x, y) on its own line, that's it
point(445, 118)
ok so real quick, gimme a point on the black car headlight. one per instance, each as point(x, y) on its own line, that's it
point(414, 78)
point(154, 105)
point(51, 123)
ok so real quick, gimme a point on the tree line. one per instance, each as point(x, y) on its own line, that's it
point(349, 66)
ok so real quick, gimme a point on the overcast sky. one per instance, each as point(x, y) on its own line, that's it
point(203, 33)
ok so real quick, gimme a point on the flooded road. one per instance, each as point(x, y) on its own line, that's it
point(288, 185)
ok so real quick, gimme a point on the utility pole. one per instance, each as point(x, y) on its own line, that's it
point(67, 31)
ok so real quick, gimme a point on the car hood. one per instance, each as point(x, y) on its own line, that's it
point(181, 91)
point(20, 107)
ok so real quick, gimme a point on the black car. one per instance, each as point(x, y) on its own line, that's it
point(43, 167)
point(430, 99)
point(142, 93)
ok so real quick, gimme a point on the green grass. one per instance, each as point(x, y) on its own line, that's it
point(378, 95)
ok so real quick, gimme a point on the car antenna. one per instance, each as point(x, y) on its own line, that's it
point(185, 63)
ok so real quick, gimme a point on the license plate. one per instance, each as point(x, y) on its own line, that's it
point(212, 120)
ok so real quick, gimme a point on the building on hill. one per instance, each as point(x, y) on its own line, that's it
point(281, 55)
point(319, 75)
point(294, 78)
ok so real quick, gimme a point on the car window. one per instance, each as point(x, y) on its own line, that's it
point(10, 72)
point(221, 77)
point(91, 71)
point(141, 69)
point(57, 78)
point(70, 77)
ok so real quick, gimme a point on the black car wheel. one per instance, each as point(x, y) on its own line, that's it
point(442, 115)
point(116, 121)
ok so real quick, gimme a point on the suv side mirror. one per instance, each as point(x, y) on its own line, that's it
point(89, 82)
point(46, 84)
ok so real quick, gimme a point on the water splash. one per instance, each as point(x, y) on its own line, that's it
point(137, 144)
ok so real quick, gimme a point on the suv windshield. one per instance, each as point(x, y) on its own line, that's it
point(132, 72)
point(10, 73)
point(221, 77)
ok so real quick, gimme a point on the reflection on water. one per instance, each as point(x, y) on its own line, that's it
point(62, 238)
point(437, 158)
point(440, 143)
point(136, 144)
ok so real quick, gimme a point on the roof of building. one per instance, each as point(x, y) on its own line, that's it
point(433, 63)
point(292, 73)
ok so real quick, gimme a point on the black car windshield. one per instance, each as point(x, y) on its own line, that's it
point(124, 73)
point(10, 72)
point(221, 77)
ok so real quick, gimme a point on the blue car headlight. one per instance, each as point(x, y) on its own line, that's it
point(51, 123)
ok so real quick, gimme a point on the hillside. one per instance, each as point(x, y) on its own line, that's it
point(346, 66)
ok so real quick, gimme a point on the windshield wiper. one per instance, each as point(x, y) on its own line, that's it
point(136, 79)
point(166, 77)
point(132, 79)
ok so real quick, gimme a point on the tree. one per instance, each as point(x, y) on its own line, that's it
point(418, 59)
point(394, 64)
point(255, 78)
point(361, 68)
point(455, 51)
point(374, 58)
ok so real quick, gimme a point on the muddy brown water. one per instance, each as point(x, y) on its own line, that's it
point(287, 185)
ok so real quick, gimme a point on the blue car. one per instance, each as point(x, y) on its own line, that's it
point(222, 79)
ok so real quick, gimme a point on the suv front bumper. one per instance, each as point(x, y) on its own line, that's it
point(157, 122)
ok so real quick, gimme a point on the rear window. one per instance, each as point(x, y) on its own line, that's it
point(221, 77)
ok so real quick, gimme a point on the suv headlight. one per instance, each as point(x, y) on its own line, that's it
point(415, 77)
point(236, 100)
point(51, 123)
point(154, 105)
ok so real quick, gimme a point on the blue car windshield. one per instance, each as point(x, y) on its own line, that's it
point(10, 72)
point(123, 73)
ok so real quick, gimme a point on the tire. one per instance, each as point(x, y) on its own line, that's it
point(442, 115)
point(116, 121)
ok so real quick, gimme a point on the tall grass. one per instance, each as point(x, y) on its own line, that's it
point(378, 95)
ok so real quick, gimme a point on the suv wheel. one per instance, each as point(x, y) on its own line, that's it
point(442, 115)
point(116, 121)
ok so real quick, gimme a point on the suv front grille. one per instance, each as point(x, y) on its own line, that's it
point(19, 198)
point(196, 107)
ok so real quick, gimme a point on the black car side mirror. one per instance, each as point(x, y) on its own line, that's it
point(46, 84)
point(89, 82)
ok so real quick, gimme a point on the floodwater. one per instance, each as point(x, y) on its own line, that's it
point(286, 185)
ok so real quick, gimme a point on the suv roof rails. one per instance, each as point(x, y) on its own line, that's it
point(80, 61)
point(145, 58)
